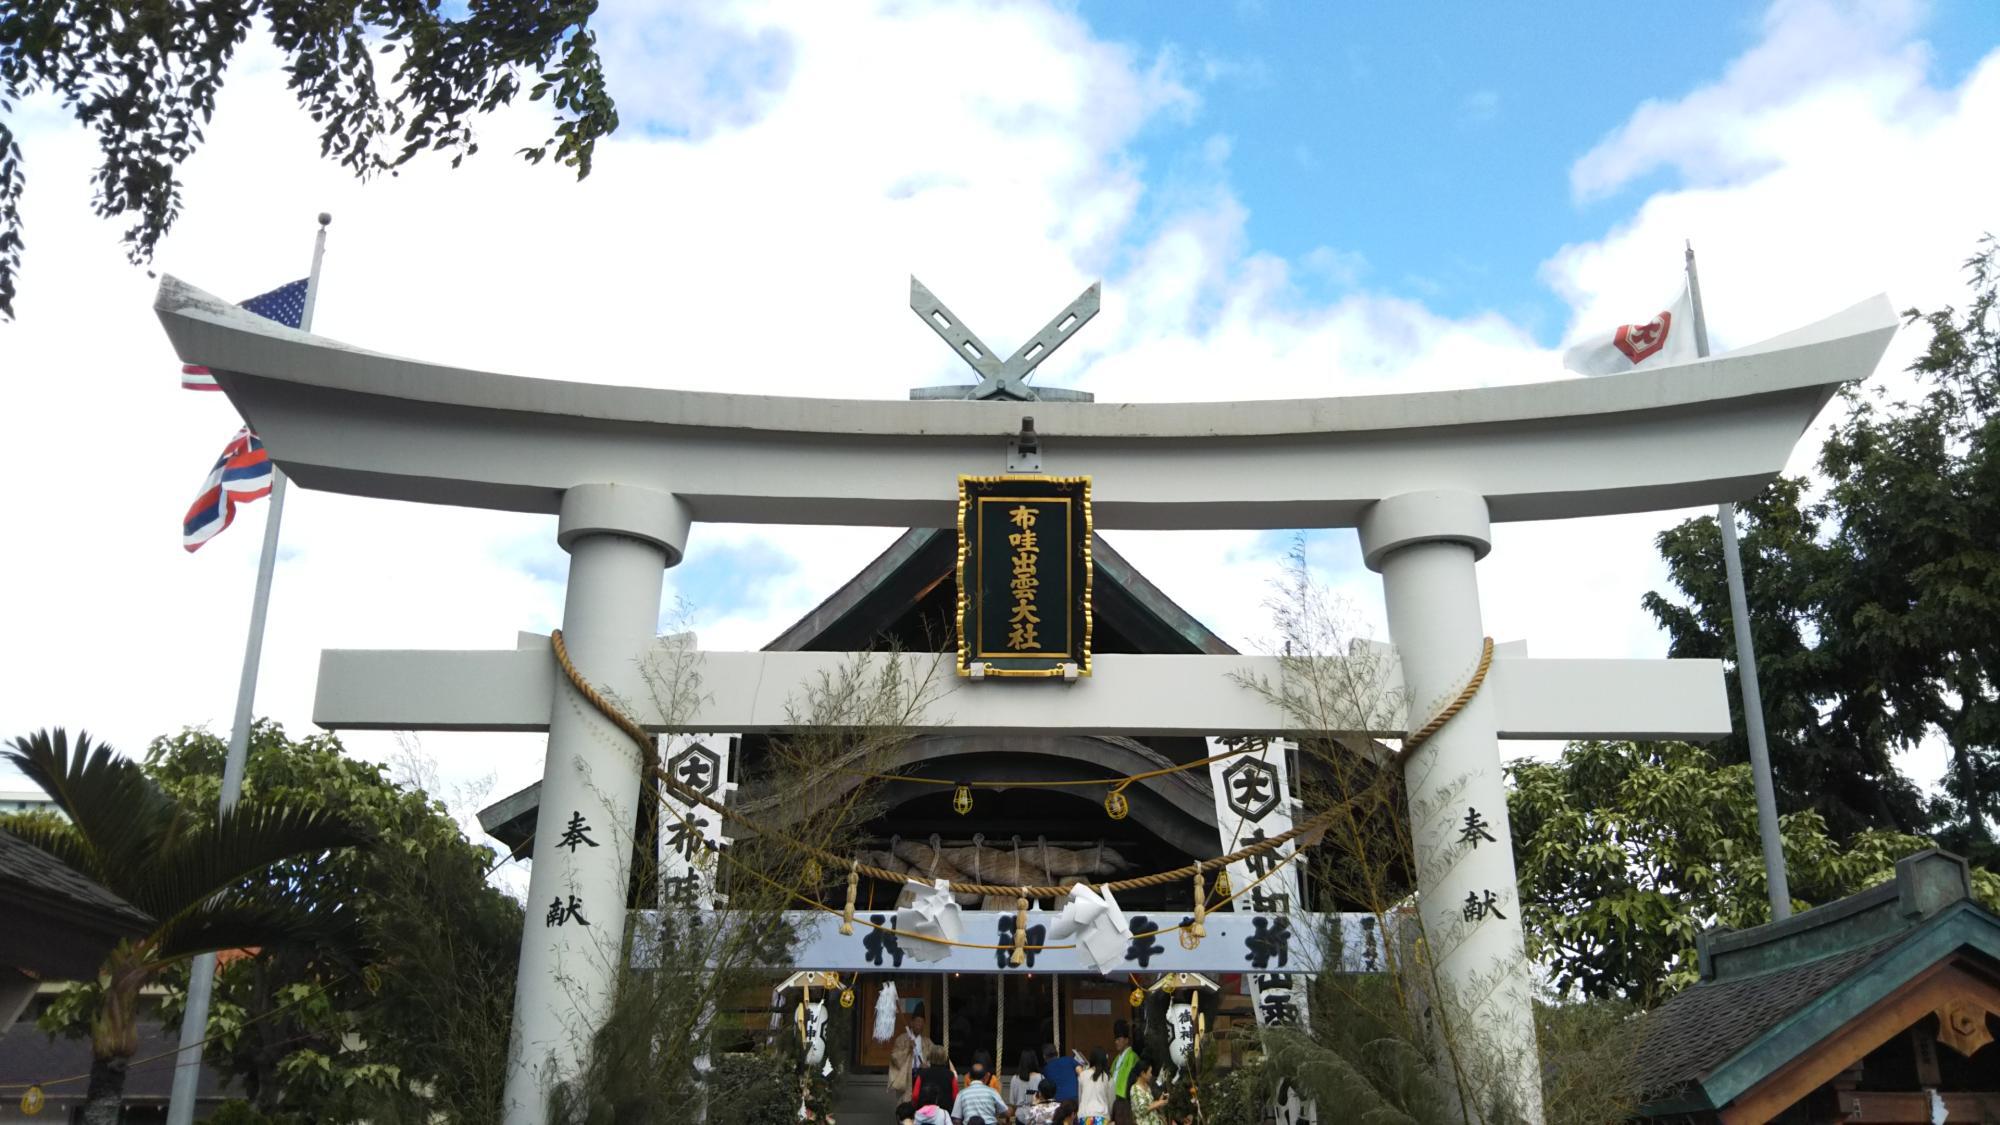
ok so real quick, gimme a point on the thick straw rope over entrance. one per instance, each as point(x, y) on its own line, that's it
point(1313, 825)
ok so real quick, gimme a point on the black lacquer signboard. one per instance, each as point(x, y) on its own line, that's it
point(1023, 575)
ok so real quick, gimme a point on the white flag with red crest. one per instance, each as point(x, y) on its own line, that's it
point(1663, 340)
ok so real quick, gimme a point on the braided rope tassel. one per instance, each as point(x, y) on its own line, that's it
point(1020, 932)
point(1200, 927)
point(853, 892)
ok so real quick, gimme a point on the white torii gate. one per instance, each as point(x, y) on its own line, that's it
point(628, 470)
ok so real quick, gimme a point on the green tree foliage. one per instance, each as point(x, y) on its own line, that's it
point(144, 78)
point(205, 882)
point(1915, 485)
point(1876, 609)
point(419, 1034)
point(1627, 851)
point(1832, 740)
point(1588, 1049)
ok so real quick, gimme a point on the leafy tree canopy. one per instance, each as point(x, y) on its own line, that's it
point(419, 1033)
point(207, 885)
point(1627, 851)
point(144, 78)
point(1876, 608)
point(1832, 739)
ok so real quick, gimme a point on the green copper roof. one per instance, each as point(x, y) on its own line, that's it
point(1770, 993)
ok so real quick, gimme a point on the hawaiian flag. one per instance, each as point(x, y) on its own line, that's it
point(286, 304)
point(241, 474)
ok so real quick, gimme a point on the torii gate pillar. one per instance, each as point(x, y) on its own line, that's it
point(1424, 544)
point(620, 540)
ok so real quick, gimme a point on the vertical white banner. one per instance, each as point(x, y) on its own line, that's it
point(1253, 801)
point(691, 834)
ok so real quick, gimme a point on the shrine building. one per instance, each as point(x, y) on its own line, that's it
point(1880, 1007)
point(905, 599)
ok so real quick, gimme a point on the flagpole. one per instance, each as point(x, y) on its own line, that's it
point(201, 973)
point(1776, 883)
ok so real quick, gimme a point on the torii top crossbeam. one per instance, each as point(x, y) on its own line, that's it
point(340, 418)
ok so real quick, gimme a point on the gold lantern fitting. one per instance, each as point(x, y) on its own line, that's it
point(1137, 999)
point(1116, 806)
point(847, 998)
point(961, 799)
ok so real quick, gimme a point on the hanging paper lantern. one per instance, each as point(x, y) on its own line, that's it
point(1116, 806)
point(1180, 1036)
point(961, 800)
point(811, 1020)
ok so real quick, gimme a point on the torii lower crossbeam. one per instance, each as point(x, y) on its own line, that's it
point(1135, 696)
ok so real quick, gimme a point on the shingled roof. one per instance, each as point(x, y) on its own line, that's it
point(59, 922)
point(1772, 992)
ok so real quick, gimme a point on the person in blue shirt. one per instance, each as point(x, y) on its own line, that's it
point(1061, 1069)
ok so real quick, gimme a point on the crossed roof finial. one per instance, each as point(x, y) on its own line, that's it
point(1003, 378)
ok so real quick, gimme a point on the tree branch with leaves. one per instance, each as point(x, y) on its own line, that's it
point(145, 78)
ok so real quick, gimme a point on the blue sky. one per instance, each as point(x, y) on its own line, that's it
point(1281, 200)
point(1435, 141)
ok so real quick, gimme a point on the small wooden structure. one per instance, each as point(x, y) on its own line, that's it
point(1879, 1008)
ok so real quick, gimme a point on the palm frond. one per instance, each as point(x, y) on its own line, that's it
point(118, 812)
point(202, 861)
point(239, 923)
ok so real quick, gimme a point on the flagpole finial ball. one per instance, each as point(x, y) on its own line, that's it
point(325, 218)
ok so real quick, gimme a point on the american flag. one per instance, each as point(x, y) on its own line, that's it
point(286, 304)
point(241, 474)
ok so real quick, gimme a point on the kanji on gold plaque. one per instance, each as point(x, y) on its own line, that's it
point(1024, 575)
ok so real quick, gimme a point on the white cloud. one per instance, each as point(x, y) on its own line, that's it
point(1725, 130)
point(783, 171)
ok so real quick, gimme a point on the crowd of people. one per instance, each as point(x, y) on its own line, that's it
point(1049, 1087)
